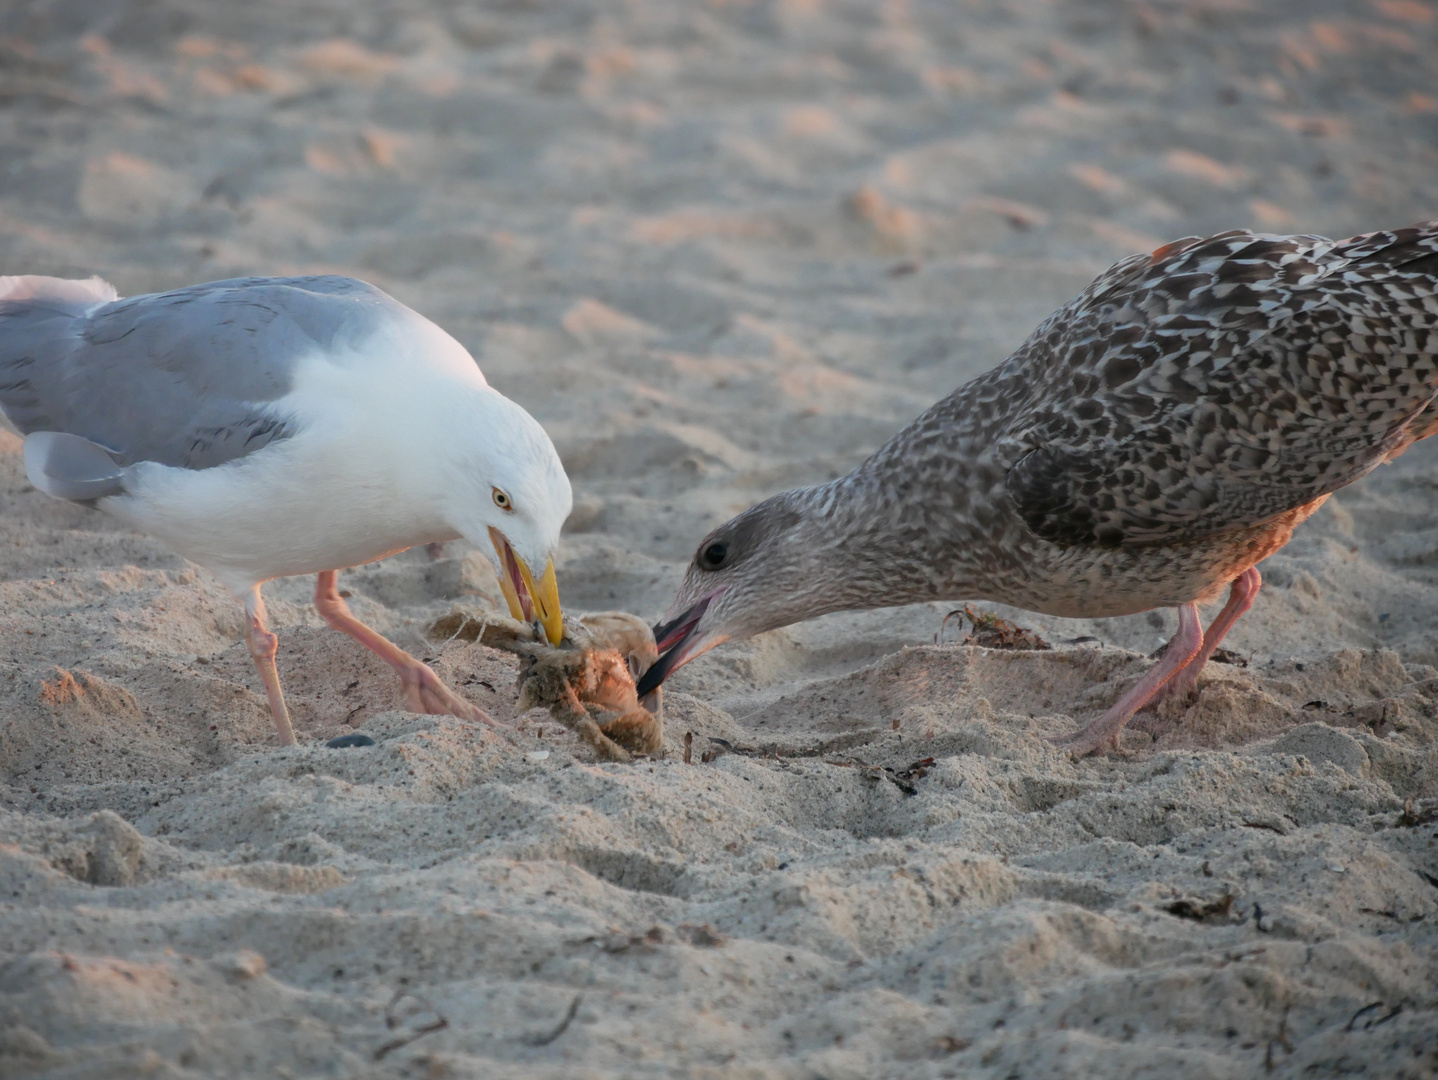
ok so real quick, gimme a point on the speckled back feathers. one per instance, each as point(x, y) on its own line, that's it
point(1149, 442)
point(1223, 383)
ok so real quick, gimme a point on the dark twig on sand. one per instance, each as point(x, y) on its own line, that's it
point(394, 1019)
point(1366, 1009)
point(1280, 1039)
point(1218, 910)
point(900, 778)
point(545, 1040)
point(1415, 814)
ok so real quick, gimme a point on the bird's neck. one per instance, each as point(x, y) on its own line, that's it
point(908, 524)
point(865, 548)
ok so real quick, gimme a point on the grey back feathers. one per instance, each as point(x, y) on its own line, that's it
point(70, 467)
point(188, 378)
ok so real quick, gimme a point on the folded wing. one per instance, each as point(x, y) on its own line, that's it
point(191, 378)
point(1222, 382)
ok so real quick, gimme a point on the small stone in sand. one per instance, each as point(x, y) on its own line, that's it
point(344, 742)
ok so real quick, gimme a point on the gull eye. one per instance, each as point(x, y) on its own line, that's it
point(713, 556)
point(501, 500)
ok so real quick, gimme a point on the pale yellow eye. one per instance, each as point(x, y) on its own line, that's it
point(501, 500)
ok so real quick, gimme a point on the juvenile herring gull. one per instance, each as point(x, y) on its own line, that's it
point(1145, 447)
point(267, 427)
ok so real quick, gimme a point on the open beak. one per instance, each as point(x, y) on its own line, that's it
point(676, 641)
point(529, 601)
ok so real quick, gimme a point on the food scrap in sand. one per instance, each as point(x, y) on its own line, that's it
point(586, 683)
point(992, 632)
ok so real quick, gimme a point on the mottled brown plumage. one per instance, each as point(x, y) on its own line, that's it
point(1145, 447)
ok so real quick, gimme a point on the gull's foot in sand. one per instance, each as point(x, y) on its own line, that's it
point(1088, 740)
point(426, 693)
point(1182, 648)
point(1181, 690)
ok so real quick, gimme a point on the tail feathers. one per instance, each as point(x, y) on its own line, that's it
point(60, 292)
point(40, 319)
point(69, 467)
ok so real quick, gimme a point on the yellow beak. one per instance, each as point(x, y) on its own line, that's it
point(545, 593)
point(529, 600)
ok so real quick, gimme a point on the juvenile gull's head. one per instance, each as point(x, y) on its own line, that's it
point(777, 563)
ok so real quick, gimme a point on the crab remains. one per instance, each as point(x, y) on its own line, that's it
point(586, 682)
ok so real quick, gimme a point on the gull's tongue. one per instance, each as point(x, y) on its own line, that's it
point(512, 567)
point(672, 633)
point(666, 635)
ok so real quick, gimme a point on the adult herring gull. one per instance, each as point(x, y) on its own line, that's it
point(268, 427)
point(1146, 447)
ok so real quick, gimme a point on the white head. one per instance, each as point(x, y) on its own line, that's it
point(507, 492)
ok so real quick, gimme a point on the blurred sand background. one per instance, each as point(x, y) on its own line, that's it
point(718, 249)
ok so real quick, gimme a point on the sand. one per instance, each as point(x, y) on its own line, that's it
point(718, 249)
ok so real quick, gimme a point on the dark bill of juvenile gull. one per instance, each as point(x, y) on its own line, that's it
point(1146, 447)
point(268, 427)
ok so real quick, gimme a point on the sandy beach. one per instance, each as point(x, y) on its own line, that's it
point(719, 250)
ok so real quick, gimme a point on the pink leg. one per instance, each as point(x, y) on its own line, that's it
point(1182, 648)
point(263, 646)
point(423, 689)
point(1240, 598)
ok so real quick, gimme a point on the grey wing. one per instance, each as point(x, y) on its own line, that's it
point(188, 378)
point(1241, 378)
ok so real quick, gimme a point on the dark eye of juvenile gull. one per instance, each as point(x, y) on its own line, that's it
point(713, 555)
